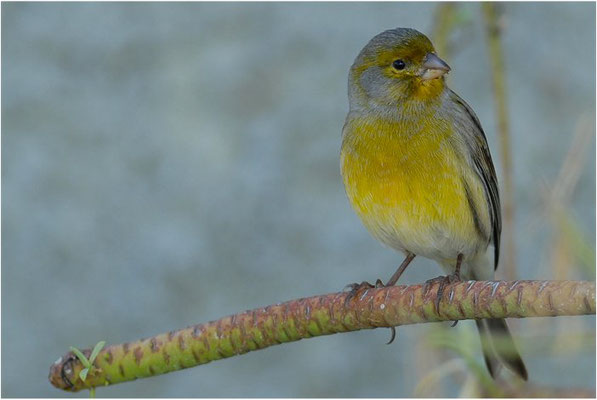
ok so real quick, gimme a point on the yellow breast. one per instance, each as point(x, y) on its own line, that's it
point(409, 185)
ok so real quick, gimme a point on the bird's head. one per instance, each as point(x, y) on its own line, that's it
point(397, 65)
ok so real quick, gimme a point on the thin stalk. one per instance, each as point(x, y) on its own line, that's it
point(444, 20)
point(498, 77)
point(322, 315)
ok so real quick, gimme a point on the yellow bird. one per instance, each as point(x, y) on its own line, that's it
point(418, 172)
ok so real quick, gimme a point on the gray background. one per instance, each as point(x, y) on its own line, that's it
point(168, 164)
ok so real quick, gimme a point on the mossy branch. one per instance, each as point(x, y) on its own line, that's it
point(322, 315)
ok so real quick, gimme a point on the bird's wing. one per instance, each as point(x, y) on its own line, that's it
point(481, 159)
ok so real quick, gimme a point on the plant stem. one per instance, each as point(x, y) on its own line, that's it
point(322, 315)
point(498, 76)
point(443, 23)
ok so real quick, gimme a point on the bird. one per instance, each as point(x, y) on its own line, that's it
point(417, 170)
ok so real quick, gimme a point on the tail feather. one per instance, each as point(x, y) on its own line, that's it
point(493, 364)
point(499, 347)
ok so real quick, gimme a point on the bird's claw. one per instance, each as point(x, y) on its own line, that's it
point(393, 334)
point(357, 287)
point(443, 281)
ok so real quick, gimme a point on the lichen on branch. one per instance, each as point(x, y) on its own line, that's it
point(322, 315)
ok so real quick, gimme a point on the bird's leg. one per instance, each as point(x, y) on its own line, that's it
point(355, 287)
point(444, 280)
point(455, 277)
point(401, 269)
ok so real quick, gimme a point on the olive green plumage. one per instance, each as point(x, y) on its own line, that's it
point(418, 171)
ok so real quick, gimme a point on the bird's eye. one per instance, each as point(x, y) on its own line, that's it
point(399, 65)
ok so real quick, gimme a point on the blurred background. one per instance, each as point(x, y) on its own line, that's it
point(169, 164)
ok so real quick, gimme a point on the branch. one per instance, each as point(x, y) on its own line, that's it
point(322, 315)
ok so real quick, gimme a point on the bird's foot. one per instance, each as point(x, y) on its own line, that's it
point(356, 287)
point(443, 281)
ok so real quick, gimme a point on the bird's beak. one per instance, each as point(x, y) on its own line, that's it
point(433, 67)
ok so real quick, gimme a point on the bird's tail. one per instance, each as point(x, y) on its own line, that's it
point(499, 347)
point(497, 342)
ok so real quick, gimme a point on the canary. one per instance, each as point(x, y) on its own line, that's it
point(418, 172)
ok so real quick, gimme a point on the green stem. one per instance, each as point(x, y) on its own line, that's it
point(498, 76)
point(322, 315)
point(444, 21)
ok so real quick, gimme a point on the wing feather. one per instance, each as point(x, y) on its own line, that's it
point(481, 159)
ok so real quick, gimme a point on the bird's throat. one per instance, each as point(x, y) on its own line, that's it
point(428, 90)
